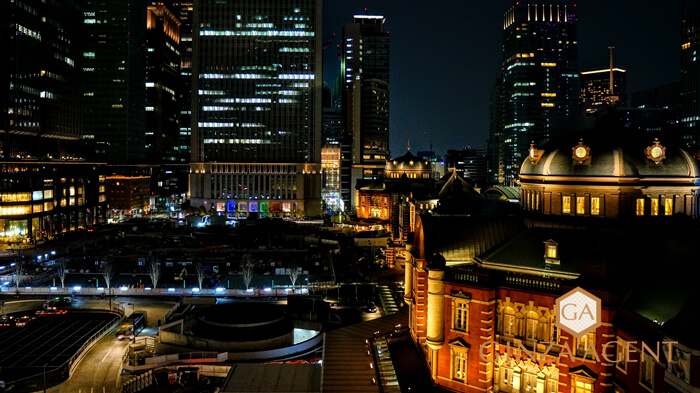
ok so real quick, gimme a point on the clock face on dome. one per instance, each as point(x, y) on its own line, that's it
point(656, 152)
point(580, 152)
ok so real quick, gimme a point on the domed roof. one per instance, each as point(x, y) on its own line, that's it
point(610, 149)
point(408, 162)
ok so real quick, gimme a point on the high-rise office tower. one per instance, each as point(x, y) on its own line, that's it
point(185, 9)
point(595, 89)
point(40, 112)
point(163, 90)
point(540, 86)
point(114, 76)
point(690, 73)
point(256, 107)
point(496, 173)
point(365, 96)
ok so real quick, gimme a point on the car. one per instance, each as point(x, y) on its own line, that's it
point(7, 321)
point(51, 311)
point(371, 307)
point(24, 320)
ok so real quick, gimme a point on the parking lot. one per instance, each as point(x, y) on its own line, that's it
point(47, 342)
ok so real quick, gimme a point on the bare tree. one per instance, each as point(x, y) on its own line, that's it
point(154, 272)
point(293, 273)
point(247, 268)
point(19, 271)
point(108, 273)
point(200, 273)
point(62, 271)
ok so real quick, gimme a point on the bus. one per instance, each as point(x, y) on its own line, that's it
point(132, 326)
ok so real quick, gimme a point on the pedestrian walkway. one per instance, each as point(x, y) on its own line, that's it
point(387, 299)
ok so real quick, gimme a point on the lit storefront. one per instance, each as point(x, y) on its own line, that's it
point(39, 200)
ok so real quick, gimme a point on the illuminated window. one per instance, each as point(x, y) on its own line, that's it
point(585, 342)
point(655, 207)
point(460, 314)
point(551, 251)
point(531, 327)
point(668, 206)
point(640, 207)
point(580, 205)
point(459, 363)
point(529, 383)
point(595, 206)
point(508, 322)
point(583, 387)
point(621, 356)
point(566, 205)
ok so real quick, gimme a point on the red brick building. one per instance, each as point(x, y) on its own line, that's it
point(481, 286)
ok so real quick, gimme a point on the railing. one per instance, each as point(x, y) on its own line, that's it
point(179, 292)
point(388, 381)
point(153, 362)
point(139, 382)
point(529, 282)
point(75, 359)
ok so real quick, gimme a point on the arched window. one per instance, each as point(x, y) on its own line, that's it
point(531, 326)
point(509, 322)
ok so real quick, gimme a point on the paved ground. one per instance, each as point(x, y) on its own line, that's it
point(100, 369)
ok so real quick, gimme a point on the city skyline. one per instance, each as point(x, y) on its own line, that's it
point(451, 104)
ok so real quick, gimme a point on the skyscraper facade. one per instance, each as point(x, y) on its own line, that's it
point(540, 81)
point(163, 92)
point(257, 87)
point(365, 96)
point(595, 89)
point(690, 73)
point(40, 113)
point(114, 76)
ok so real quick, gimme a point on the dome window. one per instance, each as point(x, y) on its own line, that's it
point(581, 153)
point(551, 252)
point(656, 152)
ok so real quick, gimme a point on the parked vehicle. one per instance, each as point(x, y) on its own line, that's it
point(132, 326)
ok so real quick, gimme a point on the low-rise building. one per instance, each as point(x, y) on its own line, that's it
point(41, 199)
point(129, 195)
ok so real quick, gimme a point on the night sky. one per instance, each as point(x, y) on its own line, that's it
point(446, 55)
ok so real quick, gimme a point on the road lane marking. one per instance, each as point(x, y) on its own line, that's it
point(103, 359)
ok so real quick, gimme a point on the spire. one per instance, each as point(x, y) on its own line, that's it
point(409, 143)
